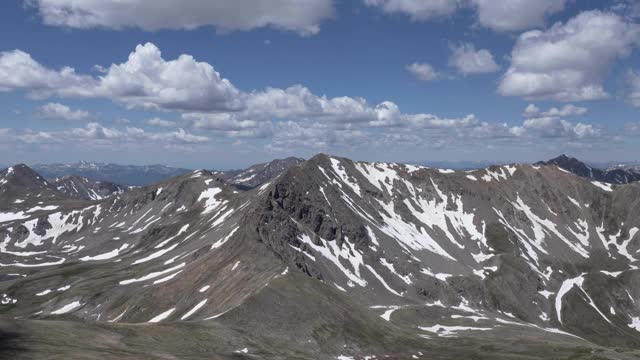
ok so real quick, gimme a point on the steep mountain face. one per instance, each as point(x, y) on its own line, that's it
point(259, 174)
point(618, 175)
point(130, 175)
point(341, 258)
point(22, 187)
point(82, 188)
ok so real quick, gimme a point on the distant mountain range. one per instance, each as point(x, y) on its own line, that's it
point(130, 175)
point(90, 180)
point(119, 177)
point(632, 166)
point(616, 175)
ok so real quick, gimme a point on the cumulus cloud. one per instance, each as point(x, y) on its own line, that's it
point(211, 108)
point(299, 102)
point(511, 15)
point(177, 136)
point(19, 71)
point(503, 15)
point(550, 124)
point(219, 121)
point(388, 114)
point(569, 61)
point(316, 136)
point(34, 137)
point(145, 80)
point(301, 16)
point(148, 81)
point(59, 111)
point(532, 111)
point(417, 10)
point(422, 71)
point(94, 133)
point(553, 127)
point(467, 60)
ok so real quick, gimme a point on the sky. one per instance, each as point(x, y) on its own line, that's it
point(225, 84)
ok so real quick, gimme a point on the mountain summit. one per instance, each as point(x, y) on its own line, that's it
point(259, 174)
point(611, 176)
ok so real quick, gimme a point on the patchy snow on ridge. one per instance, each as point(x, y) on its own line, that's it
point(210, 201)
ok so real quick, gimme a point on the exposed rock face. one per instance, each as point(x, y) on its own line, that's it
point(82, 188)
point(259, 174)
point(335, 257)
point(20, 186)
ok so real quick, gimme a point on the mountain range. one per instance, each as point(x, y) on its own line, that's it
point(614, 175)
point(111, 175)
point(87, 189)
point(327, 258)
point(128, 175)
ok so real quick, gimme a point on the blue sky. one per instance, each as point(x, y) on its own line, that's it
point(222, 84)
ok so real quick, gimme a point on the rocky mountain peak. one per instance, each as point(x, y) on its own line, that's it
point(613, 176)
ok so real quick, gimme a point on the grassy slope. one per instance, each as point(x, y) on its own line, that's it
point(275, 324)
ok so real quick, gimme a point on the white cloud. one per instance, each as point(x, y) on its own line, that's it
point(549, 124)
point(94, 133)
point(35, 137)
point(19, 71)
point(299, 102)
point(532, 111)
point(161, 123)
point(177, 136)
point(211, 108)
point(422, 71)
point(145, 80)
point(301, 16)
point(502, 15)
point(553, 127)
point(467, 60)
point(417, 10)
point(568, 62)
point(59, 111)
point(316, 136)
point(511, 15)
point(218, 121)
point(633, 79)
point(388, 114)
